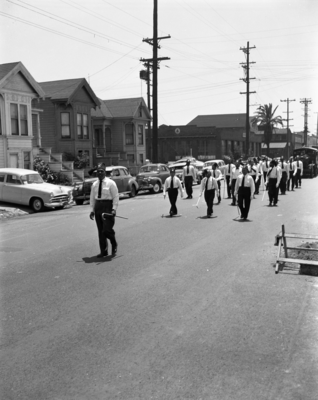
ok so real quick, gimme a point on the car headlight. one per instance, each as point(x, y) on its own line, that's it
point(51, 194)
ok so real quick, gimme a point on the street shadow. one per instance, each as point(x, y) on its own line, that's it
point(241, 220)
point(168, 216)
point(96, 260)
point(205, 217)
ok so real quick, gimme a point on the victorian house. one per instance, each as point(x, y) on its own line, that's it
point(19, 117)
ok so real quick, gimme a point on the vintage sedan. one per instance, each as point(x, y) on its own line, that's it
point(152, 177)
point(26, 187)
point(208, 166)
point(126, 184)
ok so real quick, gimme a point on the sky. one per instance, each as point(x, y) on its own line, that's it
point(102, 41)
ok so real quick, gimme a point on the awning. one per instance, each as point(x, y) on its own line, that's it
point(279, 145)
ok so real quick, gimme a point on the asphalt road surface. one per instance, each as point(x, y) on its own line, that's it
point(190, 308)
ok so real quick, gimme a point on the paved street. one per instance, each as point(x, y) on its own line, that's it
point(189, 309)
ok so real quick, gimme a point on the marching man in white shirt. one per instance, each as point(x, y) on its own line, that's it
point(172, 185)
point(227, 173)
point(188, 178)
point(217, 174)
point(272, 182)
point(235, 173)
point(244, 190)
point(209, 186)
point(299, 173)
point(291, 175)
point(104, 198)
point(284, 171)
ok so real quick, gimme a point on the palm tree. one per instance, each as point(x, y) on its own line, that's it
point(264, 117)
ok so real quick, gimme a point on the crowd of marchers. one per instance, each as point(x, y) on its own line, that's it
point(243, 180)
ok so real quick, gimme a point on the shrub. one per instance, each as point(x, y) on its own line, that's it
point(49, 176)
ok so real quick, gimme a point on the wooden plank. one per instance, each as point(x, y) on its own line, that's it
point(301, 236)
point(301, 248)
point(278, 254)
point(284, 241)
point(293, 260)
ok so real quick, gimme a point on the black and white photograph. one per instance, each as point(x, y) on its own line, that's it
point(158, 200)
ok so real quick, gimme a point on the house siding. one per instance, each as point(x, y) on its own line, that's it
point(2, 155)
point(18, 83)
point(47, 123)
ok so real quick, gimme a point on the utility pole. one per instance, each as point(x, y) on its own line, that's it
point(246, 67)
point(145, 75)
point(155, 66)
point(306, 102)
point(288, 119)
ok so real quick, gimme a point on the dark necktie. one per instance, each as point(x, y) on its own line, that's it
point(100, 189)
point(229, 167)
point(188, 169)
point(282, 165)
point(297, 164)
point(243, 181)
point(214, 174)
point(206, 183)
point(291, 167)
point(171, 183)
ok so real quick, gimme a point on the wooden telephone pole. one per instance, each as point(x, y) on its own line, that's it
point(154, 63)
point(246, 67)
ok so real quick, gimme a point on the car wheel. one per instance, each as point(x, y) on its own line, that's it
point(37, 204)
point(156, 188)
point(79, 202)
point(133, 191)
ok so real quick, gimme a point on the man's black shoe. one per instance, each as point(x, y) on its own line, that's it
point(114, 250)
point(104, 254)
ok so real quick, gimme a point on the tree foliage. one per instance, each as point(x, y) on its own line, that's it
point(265, 118)
point(47, 175)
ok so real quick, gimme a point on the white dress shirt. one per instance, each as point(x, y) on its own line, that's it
point(265, 166)
point(228, 169)
point(190, 173)
point(292, 167)
point(212, 184)
point(217, 174)
point(236, 172)
point(248, 182)
point(283, 166)
point(299, 166)
point(109, 192)
point(274, 173)
point(176, 185)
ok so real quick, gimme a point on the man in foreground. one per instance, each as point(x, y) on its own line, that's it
point(104, 198)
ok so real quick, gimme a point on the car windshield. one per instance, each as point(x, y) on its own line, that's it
point(149, 168)
point(32, 178)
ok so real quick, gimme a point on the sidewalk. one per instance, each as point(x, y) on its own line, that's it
point(8, 210)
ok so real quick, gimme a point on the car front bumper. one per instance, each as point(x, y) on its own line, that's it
point(61, 203)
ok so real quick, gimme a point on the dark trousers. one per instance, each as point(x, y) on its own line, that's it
point(188, 181)
point(173, 195)
point(291, 181)
point(283, 182)
point(219, 186)
point(298, 178)
point(105, 227)
point(265, 175)
point(209, 197)
point(233, 190)
point(257, 184)
point(228, 185)
point(244, 200)
point(272, 190)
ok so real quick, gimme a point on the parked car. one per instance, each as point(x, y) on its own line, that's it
point(208, 165)
point(152, 177)
point(178, 166)
point(25, 186)
point(126, 184)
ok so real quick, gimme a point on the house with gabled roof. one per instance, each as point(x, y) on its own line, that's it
point(119, 131)
point(19, 121)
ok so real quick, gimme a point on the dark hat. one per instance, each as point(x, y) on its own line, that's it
point(188, 161)
point(101, 166)
point(172, 169)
